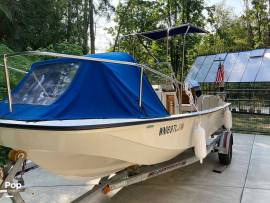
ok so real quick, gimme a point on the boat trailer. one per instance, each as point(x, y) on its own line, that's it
point(220, 142)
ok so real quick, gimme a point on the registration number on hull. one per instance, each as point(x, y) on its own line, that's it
point(170, 129)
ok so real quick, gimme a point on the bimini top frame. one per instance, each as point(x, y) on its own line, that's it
point(38, 53)
point(169, 32)
point(183, 30)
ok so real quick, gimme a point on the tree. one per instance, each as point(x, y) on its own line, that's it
point(85, 26)
point(229, 32)
point(260, 18)
point(33, 25)
point(5, 10)
point(146, 16)
point(40, 23)
point(101, 8)
point(91, 25)
point(190, 12)
point(268, 20)
point(247, 19)
point(69, 19)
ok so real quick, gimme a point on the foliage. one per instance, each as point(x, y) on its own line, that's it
point(31, 24)
point(64, 48)
point(228, 31)
point(19, 62)
point(4, 11)
point(65, 25)
point(259, 17)
point(149, 15)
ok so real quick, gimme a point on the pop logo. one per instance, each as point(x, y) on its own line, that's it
point(16, 186)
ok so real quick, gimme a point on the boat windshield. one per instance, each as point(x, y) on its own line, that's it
point(45, 84)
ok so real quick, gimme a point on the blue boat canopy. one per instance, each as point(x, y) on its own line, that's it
point(180, 30)
point(63, 89)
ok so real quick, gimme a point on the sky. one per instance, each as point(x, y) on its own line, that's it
point(103, 39)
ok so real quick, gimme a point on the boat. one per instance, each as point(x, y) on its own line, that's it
point(95, 115)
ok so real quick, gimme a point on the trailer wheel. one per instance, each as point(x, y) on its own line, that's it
point(225, 159)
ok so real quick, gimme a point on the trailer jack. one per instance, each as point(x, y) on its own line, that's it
point(12, 184)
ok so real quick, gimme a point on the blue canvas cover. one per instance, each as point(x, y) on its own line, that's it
point(180, 30)
point(98, 90)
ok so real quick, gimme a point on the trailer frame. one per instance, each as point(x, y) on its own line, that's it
point(218, 142)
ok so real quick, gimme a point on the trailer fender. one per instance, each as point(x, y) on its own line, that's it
point(224, 142)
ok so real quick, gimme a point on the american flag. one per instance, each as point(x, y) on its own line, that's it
point(220, 74)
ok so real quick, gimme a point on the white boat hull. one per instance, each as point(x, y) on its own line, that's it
point(103, 151)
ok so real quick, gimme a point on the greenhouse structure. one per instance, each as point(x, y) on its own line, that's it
point(247, 85)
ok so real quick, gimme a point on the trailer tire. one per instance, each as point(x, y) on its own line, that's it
point(225, 159)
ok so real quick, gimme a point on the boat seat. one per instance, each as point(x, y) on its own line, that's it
point(205, 102)
point(167, 88)
point(185, 108)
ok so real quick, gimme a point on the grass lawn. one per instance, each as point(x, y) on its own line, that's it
point(251, 123)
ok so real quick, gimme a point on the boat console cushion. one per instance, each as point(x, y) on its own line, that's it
point(97, 90)
point(205, 102)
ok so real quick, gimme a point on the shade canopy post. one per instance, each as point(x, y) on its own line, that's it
point(167, 45)
point(7, 82)
point(183, 65)
point(141, 85)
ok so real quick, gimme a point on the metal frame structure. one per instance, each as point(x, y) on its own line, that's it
point(249, 95)
point(252, 66)
point(167, 56)
point(15, 69)
point(183, 65)
point(7, 82)
point(250, 105)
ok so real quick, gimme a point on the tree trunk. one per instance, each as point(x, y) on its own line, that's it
point(69, 18)
point(78, 27)
point(85, 27)
point(268, 41)
point(121, 24)
point(249, 28)
point(91, 23)
point(117, 36)
point(259, 27)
